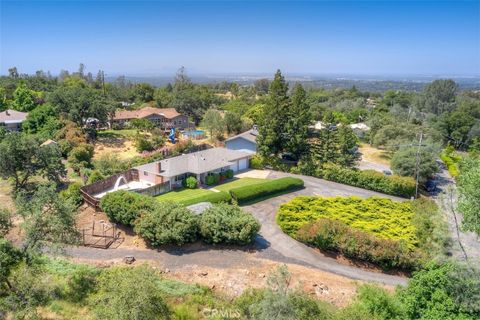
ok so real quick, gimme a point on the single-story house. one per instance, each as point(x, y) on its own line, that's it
point(246, 141)
point(198, 164)
point(12, 119)
point(164, 118)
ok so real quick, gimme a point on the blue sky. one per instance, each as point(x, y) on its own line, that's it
point(315, 37)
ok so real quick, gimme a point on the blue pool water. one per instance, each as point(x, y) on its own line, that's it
point(195, 133)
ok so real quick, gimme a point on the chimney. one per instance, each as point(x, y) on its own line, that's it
point(6, 112)
point(159, 167)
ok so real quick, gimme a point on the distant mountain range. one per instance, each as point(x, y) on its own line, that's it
point(361, 82)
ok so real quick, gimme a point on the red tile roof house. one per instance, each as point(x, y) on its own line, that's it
point(12, 119)
point(165, 118)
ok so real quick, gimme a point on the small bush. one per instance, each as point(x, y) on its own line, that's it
point(212, 179)
point(213, 197)
point(229, 174)
point(94, 176)
point(190, 183)
point(253, 192)
point(228, 224)
point(168, 223)
point(73, 194)
point(256, 163)
point(125, 207)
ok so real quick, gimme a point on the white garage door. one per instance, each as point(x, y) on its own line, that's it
point(242, 164)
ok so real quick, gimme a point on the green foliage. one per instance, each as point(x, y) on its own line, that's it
point(81, 157)
point(296, 131)
point(214, 123)
point(94, 176)
point(404, 163)
point(333, 235)
point(213, 197)
point(233, 123)
point(379, 303)
point(254, 192)
point(42, 121)
point(125, 207)
point(168, 223)
point(469, 186)
point(190, 183)
point(109, 164)
point(451, 161)
point(24, 99)
point(212, 179)
point(279, 301)
point(10, 257)
point(256, 162)
point(270, 139)
point(48, 219)
point(380, 217)
point(22, 157)
point(5, 221)
point(448, 291)
point(228, 224)
point(229, 174)
point(368, 179)
point(130, 294)
point(73, 194)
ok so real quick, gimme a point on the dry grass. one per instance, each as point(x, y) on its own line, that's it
point(6, 200)
point(374, 155)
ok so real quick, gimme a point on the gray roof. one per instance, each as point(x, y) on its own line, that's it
point(12, 116)
point(196, 162)
point(250, 135)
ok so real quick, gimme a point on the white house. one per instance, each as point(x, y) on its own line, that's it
point(12, 119)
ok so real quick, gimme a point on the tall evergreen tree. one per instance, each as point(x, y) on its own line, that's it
point(297, 125)
point(271, 136)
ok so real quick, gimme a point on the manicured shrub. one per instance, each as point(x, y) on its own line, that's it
point(229, 174)
point(253, 192)
point(213, 197)
point(190, 183)
point(380, 217)
point(337, 236)
point(228, 224)
point(451, 160)
point(168, 223)
point(124, 206)
point(73, 194)
point(369, 179)
point(212, 179)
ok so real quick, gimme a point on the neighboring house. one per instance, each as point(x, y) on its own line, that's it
point(246, 141)
point(198, 164)
point(165, 118)
point(12, 119)
point(360, 129)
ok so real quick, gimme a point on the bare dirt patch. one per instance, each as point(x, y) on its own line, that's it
point(122, 147)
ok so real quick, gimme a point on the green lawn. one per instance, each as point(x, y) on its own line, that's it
point(238, 183)
point(182, 194)
point(188, 196)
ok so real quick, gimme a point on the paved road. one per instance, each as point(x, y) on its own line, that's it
point(271, 244)
point(266, 210)
point(463, 243)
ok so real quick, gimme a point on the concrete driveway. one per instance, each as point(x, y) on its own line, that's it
point(287, 247)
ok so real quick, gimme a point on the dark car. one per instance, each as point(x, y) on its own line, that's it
point(431, 186)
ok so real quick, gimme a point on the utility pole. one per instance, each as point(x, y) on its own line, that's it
point(417, 163)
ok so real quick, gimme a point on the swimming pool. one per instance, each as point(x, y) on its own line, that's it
point(194, 134)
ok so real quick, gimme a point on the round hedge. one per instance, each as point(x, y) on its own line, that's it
point(168, 223)
point(125, 207)
point(228, 224)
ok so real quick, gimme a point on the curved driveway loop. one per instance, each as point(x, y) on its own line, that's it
point(266, 210)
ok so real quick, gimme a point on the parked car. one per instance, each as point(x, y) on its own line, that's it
point(431, 185)
point(387, 172)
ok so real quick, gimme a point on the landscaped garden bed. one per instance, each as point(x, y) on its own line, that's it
point(377, 230)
